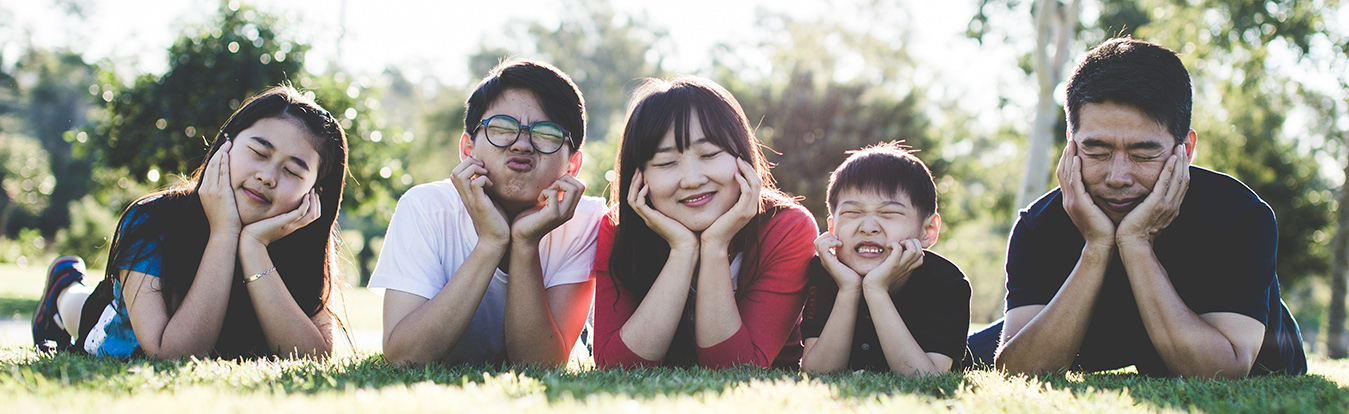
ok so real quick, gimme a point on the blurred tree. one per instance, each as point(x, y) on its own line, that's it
point(59, 102)
point(25, 177)
point(831, 89)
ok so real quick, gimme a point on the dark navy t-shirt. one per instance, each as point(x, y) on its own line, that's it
point(934, 304)
point(1219, 253)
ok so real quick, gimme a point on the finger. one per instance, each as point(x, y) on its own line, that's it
point(634, 188)
point(1064, 160)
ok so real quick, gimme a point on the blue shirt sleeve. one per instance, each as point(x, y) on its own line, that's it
point(140, 253)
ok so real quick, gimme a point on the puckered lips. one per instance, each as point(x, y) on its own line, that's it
point(520, 163)
point(869, 250)
point(699, 199)
point(255, 195)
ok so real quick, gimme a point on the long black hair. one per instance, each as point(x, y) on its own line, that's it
point(657, 106)
point(175, 221)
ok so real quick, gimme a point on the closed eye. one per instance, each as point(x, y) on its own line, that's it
point(663, 164)
point(258, 154)
point(288, 171)
point(712, 155)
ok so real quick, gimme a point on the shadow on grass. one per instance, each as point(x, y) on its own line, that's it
point(52, 373)
point(1275, 393)
point(17, 308)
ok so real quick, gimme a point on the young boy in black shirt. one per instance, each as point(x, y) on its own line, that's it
point(877, 299)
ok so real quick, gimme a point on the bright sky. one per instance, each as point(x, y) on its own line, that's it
point(434, 39)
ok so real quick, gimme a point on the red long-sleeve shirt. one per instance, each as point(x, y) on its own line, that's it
point(770, 307)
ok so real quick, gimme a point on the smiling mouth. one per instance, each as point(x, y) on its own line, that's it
point(869, 250)
point(697, 199)
point(256, 196)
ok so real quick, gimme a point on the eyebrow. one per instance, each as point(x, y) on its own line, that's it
point(668, 148)
point(264, 142)
point(1145, 145)
point(885, 203)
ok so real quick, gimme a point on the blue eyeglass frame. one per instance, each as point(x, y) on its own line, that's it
point(566, 135)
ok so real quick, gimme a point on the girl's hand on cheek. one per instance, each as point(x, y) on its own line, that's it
point(217, 193)
point(672, 231)
point(725, 227)
point(274, 228)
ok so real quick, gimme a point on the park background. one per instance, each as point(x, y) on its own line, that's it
point(104, 101)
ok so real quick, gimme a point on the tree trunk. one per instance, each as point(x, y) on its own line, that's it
point(1056, 25)
point(1339, 267)
point(363, 259)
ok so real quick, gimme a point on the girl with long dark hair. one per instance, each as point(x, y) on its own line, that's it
point(702, 261)
point(237, 261)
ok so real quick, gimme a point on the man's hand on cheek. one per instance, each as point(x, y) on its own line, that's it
point(557, 204)
point(489, 220)
point(1156, 212)
point(1094, 225)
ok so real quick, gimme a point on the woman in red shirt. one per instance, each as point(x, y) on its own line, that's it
point(702, 261)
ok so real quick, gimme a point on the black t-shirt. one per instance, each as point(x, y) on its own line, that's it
point(1219, 253)
point(934, 303)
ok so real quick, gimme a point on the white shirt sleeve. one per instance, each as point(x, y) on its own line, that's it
point(411, 258)
point(571, 247)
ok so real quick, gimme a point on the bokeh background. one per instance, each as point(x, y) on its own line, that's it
point(103, 101)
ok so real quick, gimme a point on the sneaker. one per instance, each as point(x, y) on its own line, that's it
point(48, 334)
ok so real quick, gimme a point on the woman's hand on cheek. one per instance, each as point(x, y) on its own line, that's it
point(217, 193)
point(672, 231)
point(274, 228)
point(724, 228)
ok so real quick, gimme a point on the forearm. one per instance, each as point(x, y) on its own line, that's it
point(1188, 345)
point(1050, 340)
point(831, 351)
point(651, 328)
point(289, 331)
point(532, 335)
point(194, 327)
point(715, 315)
point(433, 329)
point(902, 352)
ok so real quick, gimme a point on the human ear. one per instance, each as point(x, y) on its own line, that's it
point(931, 227)
point(465, 146)
point(1190, 141)
point(829, 223)
point(574, 164)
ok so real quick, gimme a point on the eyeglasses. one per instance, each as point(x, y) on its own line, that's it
point(546, 137)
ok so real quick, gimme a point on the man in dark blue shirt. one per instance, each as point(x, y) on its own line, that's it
point(1139, 258)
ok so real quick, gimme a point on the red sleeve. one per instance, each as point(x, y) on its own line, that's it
point(770, 307)
point(613, 306)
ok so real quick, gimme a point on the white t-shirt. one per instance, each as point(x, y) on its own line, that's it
point(431, 235)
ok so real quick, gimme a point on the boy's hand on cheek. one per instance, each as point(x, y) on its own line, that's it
point(905, 256)
point(844, 276)
point(489, 221)
point(557, 204)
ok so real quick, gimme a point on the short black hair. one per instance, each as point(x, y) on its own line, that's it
point(559, 96)
point(885, 168)
point(1144, 75)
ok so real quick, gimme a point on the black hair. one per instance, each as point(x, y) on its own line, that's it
point(657, 106)
point(885, 168)
point(175, 220)
point(1140, 74)
point(558, 95)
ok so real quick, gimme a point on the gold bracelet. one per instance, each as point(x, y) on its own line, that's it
point(255, 278)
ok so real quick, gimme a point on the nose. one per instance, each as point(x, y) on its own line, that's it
point(869, 226)
point(691, 176)
point(522, 143)
point(1119, 174)
point(266, 176)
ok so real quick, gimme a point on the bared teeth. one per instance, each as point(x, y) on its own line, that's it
point(869, 249)
point(694, 200)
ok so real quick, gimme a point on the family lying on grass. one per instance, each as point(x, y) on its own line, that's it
point(1138, 258)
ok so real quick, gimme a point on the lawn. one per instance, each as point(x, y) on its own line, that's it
point(361, 381)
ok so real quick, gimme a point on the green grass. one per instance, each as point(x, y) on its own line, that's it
point(30, 381)
point(363, 382)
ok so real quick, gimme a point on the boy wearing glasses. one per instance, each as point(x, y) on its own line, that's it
point(877, 299)
point(492, 265)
